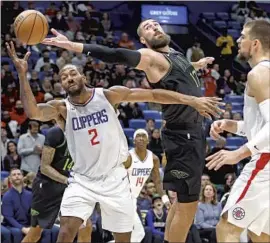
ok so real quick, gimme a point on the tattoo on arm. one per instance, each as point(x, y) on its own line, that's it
point(47, 169)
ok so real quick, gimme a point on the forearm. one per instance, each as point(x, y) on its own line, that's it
point(52, 173)
point(27, 97)
point(110, 55)
point(25, 151)
point(231, 126)
point(171, 97)
point(13, 222)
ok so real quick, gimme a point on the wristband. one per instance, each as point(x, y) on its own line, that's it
point(165, 199)
point(240, 128)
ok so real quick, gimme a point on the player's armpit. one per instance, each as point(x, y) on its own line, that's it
point(47, 169)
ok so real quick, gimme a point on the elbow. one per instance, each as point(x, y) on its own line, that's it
point(43, 169)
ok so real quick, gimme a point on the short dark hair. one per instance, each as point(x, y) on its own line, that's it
point(260, 29)
point(15, 168)
point(70, 66)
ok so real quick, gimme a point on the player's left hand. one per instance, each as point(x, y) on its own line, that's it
point(202, 63)
point(223, 157)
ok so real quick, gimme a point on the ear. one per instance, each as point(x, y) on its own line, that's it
point(84, 79)
point(142, 40)
point(256, 43)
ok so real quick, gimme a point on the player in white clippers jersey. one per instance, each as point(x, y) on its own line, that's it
point(95, 139)
point(248, 203)
point(141, 164)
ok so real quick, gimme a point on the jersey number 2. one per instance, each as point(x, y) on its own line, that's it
point(94, 140)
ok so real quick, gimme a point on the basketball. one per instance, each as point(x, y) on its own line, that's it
point(31, 27)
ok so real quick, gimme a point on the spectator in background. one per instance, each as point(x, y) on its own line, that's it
point(225, 43)
point(59, 22)
point(229, 180)
point(9, 97)
point(210, 82)
point(34, 79)
point(58, 92)
point(17, 114)
point(16, 206)
point(30, 148)
point(51, 10)
point(237, 116)
point(151, 189)
point(8, 124)
point(156, 219)
point(47, 85)
point(106, 23)
point(195, 53)
point(125, 42)
point(155, 144)
point(90, 25)
point(150, 126)
point(208, 213)
point(42, 60)
point(79, 60)
point(205, 179)
point(144, 200)
point(228, 107)
point(39, 96)
point(63, 60)
point(4, 143)
point(73, 26)
point(12, 159)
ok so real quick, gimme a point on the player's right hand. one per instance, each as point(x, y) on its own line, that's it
point(59, 40)
point(21, 65)
point(208, 106)
point(217, 127)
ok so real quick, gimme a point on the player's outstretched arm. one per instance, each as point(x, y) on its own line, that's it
point(141, 59)
point(202, 63)
point(204, 105)
point(54, 138)
point(42, 112)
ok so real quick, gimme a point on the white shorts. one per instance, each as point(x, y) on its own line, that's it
point(113, 194)
point(248, 202)
point(138, 232)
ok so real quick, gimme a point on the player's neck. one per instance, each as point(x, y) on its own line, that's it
point(141, 153)
point(257, 59)
point(81, 98)
point(163, 49)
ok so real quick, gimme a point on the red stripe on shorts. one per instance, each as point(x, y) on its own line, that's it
point(261, 163)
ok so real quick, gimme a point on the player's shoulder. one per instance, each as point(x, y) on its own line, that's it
point(57, 103)
point(258, 74)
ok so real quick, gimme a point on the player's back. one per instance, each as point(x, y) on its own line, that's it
point(95, 138)
point(181, 78)
point(139, 171)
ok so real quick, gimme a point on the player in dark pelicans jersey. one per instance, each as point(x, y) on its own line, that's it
point(49, 186)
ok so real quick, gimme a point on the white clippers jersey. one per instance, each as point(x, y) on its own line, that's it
point(253, 118)
point(96, 141)
point(139, 171)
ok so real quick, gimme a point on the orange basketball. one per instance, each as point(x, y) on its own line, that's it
point(31, 27)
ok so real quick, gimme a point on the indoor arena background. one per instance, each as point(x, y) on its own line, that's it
point(198, 29)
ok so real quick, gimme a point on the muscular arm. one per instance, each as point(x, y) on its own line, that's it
point(156, 176)
point(259, 88)
point(117, 94)
point(54, 138)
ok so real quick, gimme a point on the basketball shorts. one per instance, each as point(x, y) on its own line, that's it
point(185, 153)
point(248, 202)
point(138, 233)
point(47, 197)
point(111, 191)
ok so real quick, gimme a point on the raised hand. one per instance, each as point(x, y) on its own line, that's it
point(208, 106)
point(21, 65)
point(59, 40)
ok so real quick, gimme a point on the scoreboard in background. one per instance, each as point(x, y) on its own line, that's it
point(165, 14)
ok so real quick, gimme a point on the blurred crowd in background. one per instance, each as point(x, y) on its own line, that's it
point(22, 140)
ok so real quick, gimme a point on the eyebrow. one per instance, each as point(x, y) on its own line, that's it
point(153, 21)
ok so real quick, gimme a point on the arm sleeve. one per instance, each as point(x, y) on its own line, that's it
point(150, 223)
point(260, 143)
point(24, 151)
point(7, 211)
point(54, 137)
point(113, 55)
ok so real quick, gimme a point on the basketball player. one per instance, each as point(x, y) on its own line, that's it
point(248, 203)
point(49, 186)
point(183, 136)
point(140, 164)
point(97, 143)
